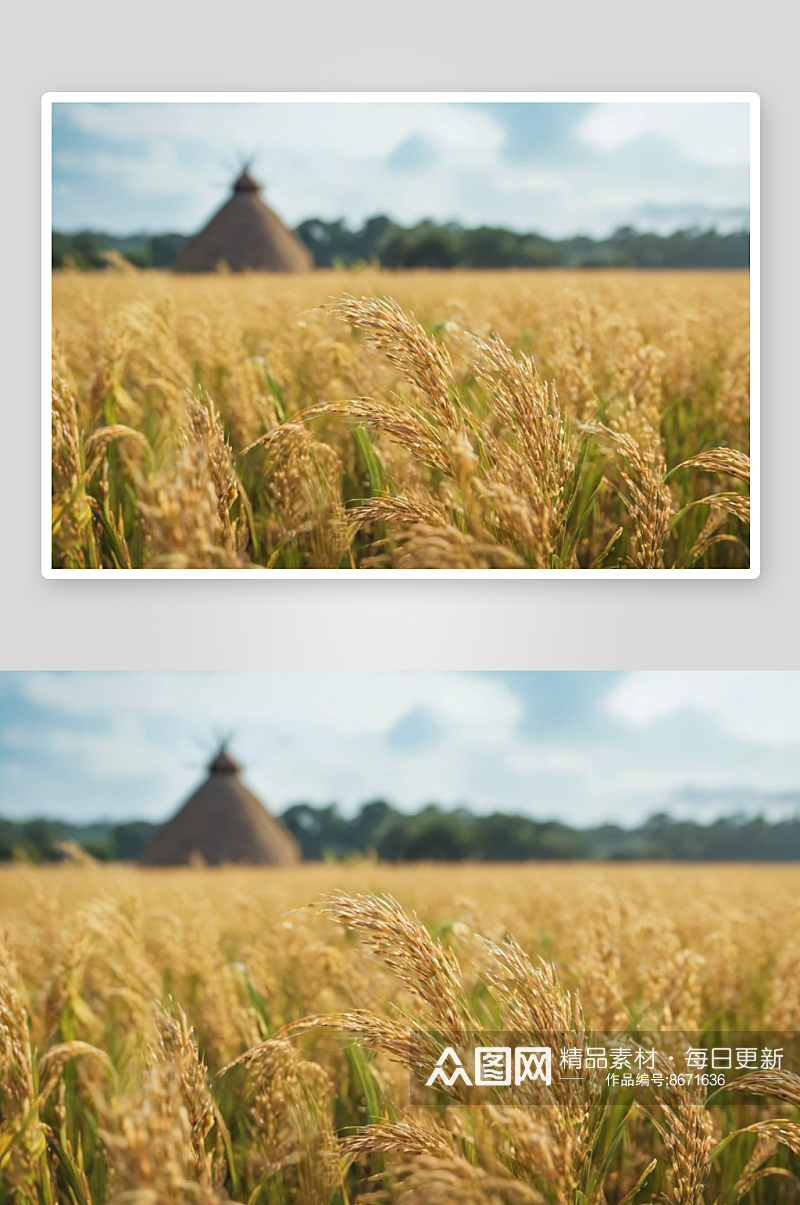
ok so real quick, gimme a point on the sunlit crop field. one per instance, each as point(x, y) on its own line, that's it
point(423, 420)
point(124, 994)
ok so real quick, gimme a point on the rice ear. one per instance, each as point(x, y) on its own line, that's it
point(721, 460)
point(404, 945)
point(425, 363)
point(404, 1138)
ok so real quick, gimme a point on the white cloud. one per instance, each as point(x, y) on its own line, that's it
point(513, 178)
point(121, 751)
point(351, 703)
point(373, 129)
point(157, 173)
point(762, 707)
point(527, 758)
point(714, 133)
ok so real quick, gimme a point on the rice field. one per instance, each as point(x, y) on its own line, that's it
point(240, 1034)
point(417, 420)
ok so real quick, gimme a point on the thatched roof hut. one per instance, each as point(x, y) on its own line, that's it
point(245, 234)
point(222, 822)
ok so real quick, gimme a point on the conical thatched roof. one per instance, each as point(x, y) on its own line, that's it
point(222, 822)
point(245, 234)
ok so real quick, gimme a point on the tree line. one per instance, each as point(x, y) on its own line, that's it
point(380, 241)
point(39, 840)
point(380, 831)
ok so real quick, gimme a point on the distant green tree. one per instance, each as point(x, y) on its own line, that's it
point(83, 249)
point(165, 249)
point(438, 839)
point(434, 834)
point(127, 841)
point(318, 830)
point(327, 241)
point(424, 246)
point(40, 839)
point(537, 252)
point(433, 245)
point(8, 839)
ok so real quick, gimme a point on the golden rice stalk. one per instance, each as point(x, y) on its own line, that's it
point(16, 1056)
point(62, 984)
point(531, 997)
point(177, 1045)
point(71, 509)
point(543, 1146)
point(405, 1044)
point(147, 1138)
point(410, 429)
point(67, 453)
point(779, 1129)
point(687, 1130)
point(689, 1141)
point(402, 341)
point(511, 509)
point(730, 504)
point(22, 1140)
point(403, 1137)
point(75, 854)
point(531, 1001)
point(783, 1084)
point(525, 407)
point(291, 1109)
point(205, 425)
point(647, 500)
point(303, 476)
point(426, 547)
point(277, 1065)
point(708, 535)
point(762, 1175)
point(428, 1180)
point(75, 462)
point(721, 460)
point(117, 262)
point(56, 1058)
point(117, 964)
point(734, 464)
point(264, 1058)
point(601, 556)
point(405, 946)
point(412, 509)
point(640, 1183)
point(181, 510)
point(766, 1146)
point(100, 440)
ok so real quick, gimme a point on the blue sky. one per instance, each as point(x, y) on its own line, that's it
point(583, 747)
point(559, 168)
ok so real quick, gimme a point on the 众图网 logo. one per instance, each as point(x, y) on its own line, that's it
point(494, 1066)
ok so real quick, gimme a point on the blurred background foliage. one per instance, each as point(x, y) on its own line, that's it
point(428, 245)
point(380, 831)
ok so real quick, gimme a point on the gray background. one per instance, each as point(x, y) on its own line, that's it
point(404, 45)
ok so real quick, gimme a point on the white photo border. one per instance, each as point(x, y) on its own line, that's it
point(258, 572)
